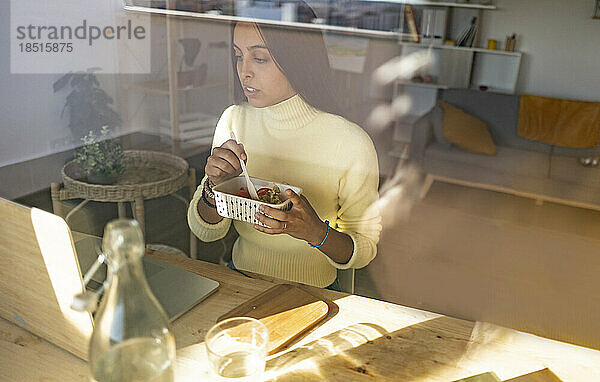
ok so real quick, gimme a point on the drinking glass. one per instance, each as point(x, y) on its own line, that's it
point(237, 349)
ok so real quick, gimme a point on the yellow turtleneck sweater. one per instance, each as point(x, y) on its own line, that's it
point(330, 158)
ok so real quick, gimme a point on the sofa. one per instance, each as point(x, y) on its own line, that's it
point(520, 166)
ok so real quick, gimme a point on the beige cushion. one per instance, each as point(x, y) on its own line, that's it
point(466, 131)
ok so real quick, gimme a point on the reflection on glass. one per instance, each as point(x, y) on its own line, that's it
point(355, 14)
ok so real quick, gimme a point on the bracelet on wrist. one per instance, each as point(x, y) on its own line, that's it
point(206, 201)
point(325, 238)
point(207, 189)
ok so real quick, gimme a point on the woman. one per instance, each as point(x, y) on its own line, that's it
point(287, 137)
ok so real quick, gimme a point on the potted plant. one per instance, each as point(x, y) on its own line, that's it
point(101, 157)
point(88, 105)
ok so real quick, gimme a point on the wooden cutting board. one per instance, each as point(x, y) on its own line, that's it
point(286, 310)
point(485, 377)
point(544, 375)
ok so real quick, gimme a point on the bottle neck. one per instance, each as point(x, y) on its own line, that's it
point(127, 270)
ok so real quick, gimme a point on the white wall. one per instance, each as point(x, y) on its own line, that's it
point(30, 111)
point(561, 43)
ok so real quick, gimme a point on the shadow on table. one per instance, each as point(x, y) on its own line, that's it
point(431, 349)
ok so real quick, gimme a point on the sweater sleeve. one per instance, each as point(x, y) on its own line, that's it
point(203, 230)
point(358, 215)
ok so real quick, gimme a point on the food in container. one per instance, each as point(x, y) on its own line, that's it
point(271, 195)
point(231, 205)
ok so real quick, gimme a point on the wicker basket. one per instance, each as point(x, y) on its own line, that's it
point(236, 207)
point(148, 174)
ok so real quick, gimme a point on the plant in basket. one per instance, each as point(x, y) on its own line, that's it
point(101, 157)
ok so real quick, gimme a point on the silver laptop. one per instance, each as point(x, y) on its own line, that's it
point(176, 289)
point(41, 271)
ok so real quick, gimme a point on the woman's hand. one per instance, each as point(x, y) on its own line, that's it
point(224, 162)
point(301, 222)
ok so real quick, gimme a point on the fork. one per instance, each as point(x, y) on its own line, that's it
point(251, 188)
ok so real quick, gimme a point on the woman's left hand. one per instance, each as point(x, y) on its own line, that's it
point(301, 222)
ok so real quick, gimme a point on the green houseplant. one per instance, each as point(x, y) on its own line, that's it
point(88, 105)
point(101, 157)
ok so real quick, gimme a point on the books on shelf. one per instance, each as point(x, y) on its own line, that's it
point(511, 41)
point(411, 20)
point(433, 25)
point(469, 35)
point(439, 29)
point(427, 22)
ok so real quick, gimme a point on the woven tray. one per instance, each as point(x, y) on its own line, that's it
point(148, 174)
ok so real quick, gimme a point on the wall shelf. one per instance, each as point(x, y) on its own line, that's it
point(297, 25)
point(465, 67)
point(494, 90)
point(464, 48)
point(437, 4)
point(324, 27)
point(422, 84)
point(495, 51)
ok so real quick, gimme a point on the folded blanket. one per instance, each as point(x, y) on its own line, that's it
point(559, 121)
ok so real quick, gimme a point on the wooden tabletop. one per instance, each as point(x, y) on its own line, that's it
point(361, 340)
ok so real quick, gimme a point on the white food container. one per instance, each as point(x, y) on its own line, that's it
point(236, 207)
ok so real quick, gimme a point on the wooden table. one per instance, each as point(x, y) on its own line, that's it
point(364, 340)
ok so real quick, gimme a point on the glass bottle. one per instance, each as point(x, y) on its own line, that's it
point(131, 340)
